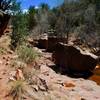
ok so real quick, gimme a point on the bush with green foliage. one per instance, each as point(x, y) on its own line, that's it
point(27, 55)
point(31, 18)
point(18, 89)
point(65, 19)
point(20, 30)
point(2, 50)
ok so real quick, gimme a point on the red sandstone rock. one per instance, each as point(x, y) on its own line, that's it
point(73, 59)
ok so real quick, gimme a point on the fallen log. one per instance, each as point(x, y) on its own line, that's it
point(72, 59)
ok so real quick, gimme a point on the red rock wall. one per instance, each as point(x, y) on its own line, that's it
point(4, 22)
point(71, 59)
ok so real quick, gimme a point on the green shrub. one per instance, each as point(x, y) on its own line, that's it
point(27, 55)
point(16, 64)
point(20, 30)
point(18, 89)
point(2, 50)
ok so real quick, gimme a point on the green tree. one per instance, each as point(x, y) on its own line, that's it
point(5, 4)
point(31, 17)
point(44, 7)
point(6, 10)
point(20, 30)
point(67, 19)
point(9, 5)
point(42, 19)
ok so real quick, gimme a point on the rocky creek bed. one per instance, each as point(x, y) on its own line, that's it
point(59, 87)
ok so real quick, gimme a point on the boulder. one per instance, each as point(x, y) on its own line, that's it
point(48, 42)
point(73, 59)
point(52, 41)
point(43, 41)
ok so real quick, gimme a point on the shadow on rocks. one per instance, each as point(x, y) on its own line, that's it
point(71, 73)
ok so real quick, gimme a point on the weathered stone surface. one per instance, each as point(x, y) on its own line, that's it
point(1, 62)
point(62, 87)
point(73, 59)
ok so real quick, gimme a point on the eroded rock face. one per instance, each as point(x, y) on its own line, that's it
point(47, 42)
point(52, 41)
point(43, 43)
point(73, 59)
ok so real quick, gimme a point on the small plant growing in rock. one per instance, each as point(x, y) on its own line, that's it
point(18, 89)
point(16, 64)
point(27, 55)
point(2, 50)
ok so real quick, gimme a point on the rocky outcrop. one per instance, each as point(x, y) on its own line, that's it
point(4, 19)
point(73, 59)
point(47, 42)
point(43, 41)
point(52, 41)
